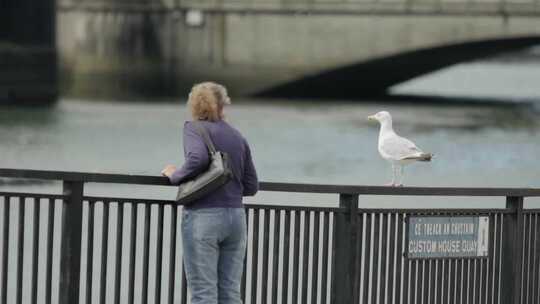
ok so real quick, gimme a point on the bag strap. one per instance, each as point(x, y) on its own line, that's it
point(206, 137)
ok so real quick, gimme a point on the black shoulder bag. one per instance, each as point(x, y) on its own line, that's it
point(215, 176)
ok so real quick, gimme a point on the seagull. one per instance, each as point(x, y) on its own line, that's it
point(397, 150)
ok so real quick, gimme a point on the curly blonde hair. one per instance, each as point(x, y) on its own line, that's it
point(206, 101)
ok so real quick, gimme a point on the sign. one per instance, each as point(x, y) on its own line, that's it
point(447, 237)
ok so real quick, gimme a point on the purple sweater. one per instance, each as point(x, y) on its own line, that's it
point(226, 139)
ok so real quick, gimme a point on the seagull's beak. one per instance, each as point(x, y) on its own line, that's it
point(371, 118)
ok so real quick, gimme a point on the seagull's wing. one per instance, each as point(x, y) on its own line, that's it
point(398, 148)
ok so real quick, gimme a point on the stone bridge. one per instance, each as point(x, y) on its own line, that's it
point(291, 48)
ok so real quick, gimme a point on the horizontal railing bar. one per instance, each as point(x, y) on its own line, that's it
point(292, 208)
point(277, 187)
point(457, 211)
point(86, 177)
point(398, 191)
point(34, 195)
point(126, 200)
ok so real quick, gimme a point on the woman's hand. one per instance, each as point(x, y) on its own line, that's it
point(168, 170)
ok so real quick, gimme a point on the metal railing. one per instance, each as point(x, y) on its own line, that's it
point(124, 250)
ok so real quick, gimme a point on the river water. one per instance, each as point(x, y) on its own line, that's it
point(329, 142)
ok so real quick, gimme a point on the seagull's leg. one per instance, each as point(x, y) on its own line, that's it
point(400, 176)
point(393, 183)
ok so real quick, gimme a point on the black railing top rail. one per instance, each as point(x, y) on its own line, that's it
point(36, 196)
point(85, 177)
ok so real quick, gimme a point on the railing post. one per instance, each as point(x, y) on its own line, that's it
point(344, 270)
point(512, 251)
point(70, 250)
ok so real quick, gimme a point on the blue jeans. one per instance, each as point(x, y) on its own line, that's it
point(214, 242)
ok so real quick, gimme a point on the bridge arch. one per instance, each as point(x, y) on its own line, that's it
point(373, 77)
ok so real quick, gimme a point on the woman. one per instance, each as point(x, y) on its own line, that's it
point(214, 228)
